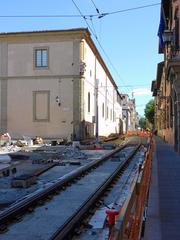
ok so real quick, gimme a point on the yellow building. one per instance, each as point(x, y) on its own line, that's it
point(52, 83)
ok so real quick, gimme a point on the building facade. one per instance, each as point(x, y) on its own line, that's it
point(55, 84)
point(129, 113)
point(166, 88)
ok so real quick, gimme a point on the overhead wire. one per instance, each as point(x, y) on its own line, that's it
point(135, 85)
point(128, 9)
point(97, 10)
point(103, 50)
point(93, 27)
point(91, 18)
point(42, 16)
point(98, 15)
point(84, 17)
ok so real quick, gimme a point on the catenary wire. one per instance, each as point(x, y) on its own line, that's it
point(97, 10)
point(103, 50)
point(78, 16)
point(93, 26)
point(128, 9)
point(84, 17)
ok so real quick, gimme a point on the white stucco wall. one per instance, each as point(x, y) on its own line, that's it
point(24, 79)
point(106, 95)
point(21, 58)
point(20, 107)
point(59, 79)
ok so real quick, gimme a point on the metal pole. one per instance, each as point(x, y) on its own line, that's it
point(97, 115)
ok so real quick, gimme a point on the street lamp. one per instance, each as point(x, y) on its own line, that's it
point(158, 92)
point(167, 36)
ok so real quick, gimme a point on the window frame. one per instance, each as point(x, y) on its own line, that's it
point(35, 57)
point(35, 93)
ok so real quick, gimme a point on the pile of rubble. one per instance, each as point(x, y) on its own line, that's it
point(72, 153)
point(40, 150)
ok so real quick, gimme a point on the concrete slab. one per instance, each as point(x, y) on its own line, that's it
point(5, 158)
point(60, 208)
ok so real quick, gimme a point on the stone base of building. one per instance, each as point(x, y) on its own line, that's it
point(167, 135)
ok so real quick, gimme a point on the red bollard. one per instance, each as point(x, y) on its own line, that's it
point(111, 214)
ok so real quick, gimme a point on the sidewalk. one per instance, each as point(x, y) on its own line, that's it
point(163, 217)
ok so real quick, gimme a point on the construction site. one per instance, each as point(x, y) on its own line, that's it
point(87, 191)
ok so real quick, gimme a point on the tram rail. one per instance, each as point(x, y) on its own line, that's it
point(31, 202)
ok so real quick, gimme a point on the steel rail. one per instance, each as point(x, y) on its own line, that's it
point(69, 225)
point(21, 206)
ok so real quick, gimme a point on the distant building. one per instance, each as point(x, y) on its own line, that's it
point(166, 87)
point(129, 113)
point(137, 120)
point(52, 83)
point(133, 116)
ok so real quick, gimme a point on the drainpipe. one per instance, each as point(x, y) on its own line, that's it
point(97, 111)
point(96, 82)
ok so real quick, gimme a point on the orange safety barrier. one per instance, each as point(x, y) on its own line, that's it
point(139, 133)
point(130, 219)
point(143, 185)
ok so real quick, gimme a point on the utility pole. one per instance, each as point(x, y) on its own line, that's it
point(97, 112)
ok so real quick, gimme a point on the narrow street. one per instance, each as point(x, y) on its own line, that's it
point(89, 120)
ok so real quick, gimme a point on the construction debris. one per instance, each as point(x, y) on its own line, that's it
point(38, 140)
point(19, 143)
point(5, 139)
point(23, 181)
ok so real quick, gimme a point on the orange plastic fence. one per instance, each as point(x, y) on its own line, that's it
point(139, 133)
point(141, 198)
point(131, 225)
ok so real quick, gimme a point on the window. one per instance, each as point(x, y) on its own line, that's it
point(41, 57)
point(111, 114)
point(107, 113)
point(89, 103)
point(41, 106)
point(103, 110)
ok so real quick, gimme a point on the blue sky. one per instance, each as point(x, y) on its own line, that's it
point(129, 38)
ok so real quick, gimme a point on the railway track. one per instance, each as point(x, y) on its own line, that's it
point(65, 202)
